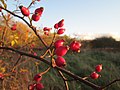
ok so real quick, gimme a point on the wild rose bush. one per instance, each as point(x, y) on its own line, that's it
point(53, 54)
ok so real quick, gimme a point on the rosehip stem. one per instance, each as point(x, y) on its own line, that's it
point(15, 65)
point(30, 20)
point(31, 3)
point(3, 35)
point(45, 71)
point(54, 37)
point(44, 54)
point(85, 78)
point(64, 79)
point(53, 62)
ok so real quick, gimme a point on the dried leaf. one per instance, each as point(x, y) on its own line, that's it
point(3, 2)
point(2, 69)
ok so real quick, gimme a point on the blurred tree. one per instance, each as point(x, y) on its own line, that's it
point(105, 42)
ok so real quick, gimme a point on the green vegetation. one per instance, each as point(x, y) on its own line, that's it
point(83, 64)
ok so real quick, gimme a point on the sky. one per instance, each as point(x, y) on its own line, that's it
point(86, 18)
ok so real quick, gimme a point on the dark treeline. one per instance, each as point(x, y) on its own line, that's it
point(105, 42)
point(102, 43)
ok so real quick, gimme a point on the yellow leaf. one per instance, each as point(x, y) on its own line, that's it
point(16, 37)
point(36, 63)
point(2, 69)
point(23, 70)
point(12, 43)
point(16, 41)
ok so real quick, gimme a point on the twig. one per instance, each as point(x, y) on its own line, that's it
point(15, 65)
point(3, 35)
point(31, 3)
point(53, 39)
point(114, 81)
point(45, 71)
point(64, 79)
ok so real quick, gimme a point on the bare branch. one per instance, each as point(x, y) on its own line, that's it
point(15, 65)
point(114, 81)
point(64, 79)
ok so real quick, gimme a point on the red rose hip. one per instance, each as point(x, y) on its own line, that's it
point(98, 68)
point(75, 46)
point(39, 11)
point(14, 27)
point(61, 31)
point(37, 77)
point(31, 87)
point(39, 86)
point(60, 61)
point(61, 51)
point(25, 11)
point(35, 17)
point(94, 75)
point(47, 29)
point(56, 26)
point(61, 23)
point(59, 43)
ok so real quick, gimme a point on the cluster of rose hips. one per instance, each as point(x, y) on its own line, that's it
point(60, 48)
point(25, 11)
point(58, 26)
point(37, 85)
point(36, 15)
point(47, 30)
point(95, 75)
